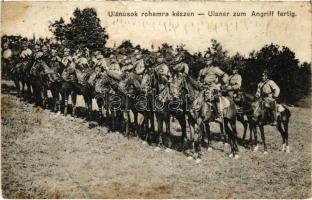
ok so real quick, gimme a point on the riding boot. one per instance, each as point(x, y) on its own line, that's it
point(273, 118)
point(218, 113)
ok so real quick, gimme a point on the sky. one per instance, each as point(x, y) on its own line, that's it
point(237, 34)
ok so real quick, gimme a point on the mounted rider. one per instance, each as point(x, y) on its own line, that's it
point(180, 67)
point(212, 78)
point(269, 92)
point(26, 52)
point(81, 61)
point(234, 84)
point(66, 59)
point(100, 63)
point(7, 59)
point(165, 78)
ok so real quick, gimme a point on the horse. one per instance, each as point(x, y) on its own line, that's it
point(259, 119)
point(75, 83)
point(203, 111)
point(110, 95)
point(38, 81)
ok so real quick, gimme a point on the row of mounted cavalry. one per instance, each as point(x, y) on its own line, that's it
point(120, 100)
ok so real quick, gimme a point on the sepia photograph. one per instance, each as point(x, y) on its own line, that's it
point(156, 100)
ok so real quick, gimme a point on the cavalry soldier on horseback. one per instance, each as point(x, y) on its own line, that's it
point(212, 78)
point(137, 66)
point(180, 67)
point(80, 61)
point(26, 52)
point(66, 57)
point(7, 58)
point(268, 91)
point(163, 70)
point(100, 62)
point(234, 83)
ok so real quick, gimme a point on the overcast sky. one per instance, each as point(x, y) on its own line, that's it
point(237, 34)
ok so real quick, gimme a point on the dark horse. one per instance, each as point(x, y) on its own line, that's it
point(54, 81)
point(259, 119)
point(38, 79)
point(75, 83)
point(139, 100)
point(168, 103)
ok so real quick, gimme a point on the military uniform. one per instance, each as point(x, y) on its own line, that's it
point(165, 75)
point(234, 84)
point(181, 67)
point(6, 60)
point(100, 62)
point(268, 90)
point(210, 77)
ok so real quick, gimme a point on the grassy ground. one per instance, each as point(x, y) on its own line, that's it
point(50, 156)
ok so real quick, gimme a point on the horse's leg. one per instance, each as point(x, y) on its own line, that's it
point(253, 127)
point(45, 96)
point(261, 127)
point(280, 129)
point(234, 133)
point(146, 125)
point(54, 97)
point(245, 125)
point(100, 104)
point(285, 123)
point(230, 138)
point(74, 101)
point(88, 102)
point(182, 122)
point(160, 129)
point(136, 125)
point(17, 85)
point(65, 99)
point(208, 134)
point(168, 135)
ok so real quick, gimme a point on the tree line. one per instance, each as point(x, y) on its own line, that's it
point(294, 78)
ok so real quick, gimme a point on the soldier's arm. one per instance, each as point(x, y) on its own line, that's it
point(276, 89)
point(221, 74)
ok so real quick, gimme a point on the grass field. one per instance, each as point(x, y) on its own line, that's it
point(45, 155)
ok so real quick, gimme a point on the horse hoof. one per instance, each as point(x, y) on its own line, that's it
point(209, 149)
point(265, 152)
point(236, 157)
point(189, 158)
point(168, 150)
point(157, 149)
point(287, 149)
point(231, 155)
point(144, 143)
point(283, 148)
point(255, 149)
point(198, 160)
point(58, 113)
